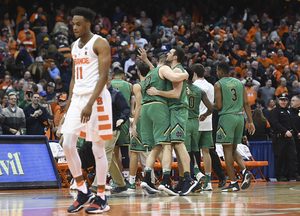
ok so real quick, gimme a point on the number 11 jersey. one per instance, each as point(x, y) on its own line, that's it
point(86, 67)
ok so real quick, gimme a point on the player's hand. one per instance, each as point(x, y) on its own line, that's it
point(143, 54)
point(251, 128)
point(86, 114)
point(288, 134)
point(134, 133)
point(18, 133)
point(202, 118)
point(119, 122)
point(152, 91)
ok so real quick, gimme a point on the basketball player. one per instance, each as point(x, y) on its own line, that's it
point(178, 107)
point(136, 144)
point(155, 130)
point(230, 98)
point(89, 112)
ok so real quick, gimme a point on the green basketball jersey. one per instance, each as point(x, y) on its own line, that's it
point(153, 80)
point(194, 99)
point(232, 95)
point(182, 101)
point(123, 87)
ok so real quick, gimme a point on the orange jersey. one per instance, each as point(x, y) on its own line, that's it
point(280, 63)
point(251, 94)
point(265, 62)
point(22, 35)
point(281, 90)
point(251, 34)
point(282, 31)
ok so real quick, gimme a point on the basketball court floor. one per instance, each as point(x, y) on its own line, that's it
point(270, 198)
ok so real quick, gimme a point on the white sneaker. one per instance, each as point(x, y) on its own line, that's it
point(207, 188)
point(200, 177)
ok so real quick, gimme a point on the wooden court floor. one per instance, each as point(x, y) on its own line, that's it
point(265, 199)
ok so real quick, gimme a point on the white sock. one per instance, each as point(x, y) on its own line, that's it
point(232, 182)
point(101, 195)
point(82, 187)
point(131, 179)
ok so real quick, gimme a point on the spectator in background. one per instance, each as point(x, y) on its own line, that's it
point(138, 27)
point(18, 90)
point(260, 104)
point(289, 77)
point(262, 127)
point(140, 40)
point(251, 89)
point(51, 72)
point(130, 61)
point(104, 20)
point(2, 118)
point(62, 102)
point(27, 100)
point(35, 115)
point(59, 87)
point(43, 97)
point(42, 84)
point(291, 38)
point(242, 39)
point(266, 92)
point(264, 60)
point(118, 14)
point(146, 23)
point(268, 75)
point(283, 28)
point(272, 105)
point(20, 25)
point(280, 61)
point(6, 85)
point(207, 75)
point(50, 91)
point(27, 75)
point(133, 69)
point(281, 89)
point(14, 117)
point(296, 88)
point(4, 101)
point(41, 36)
point(22, 34)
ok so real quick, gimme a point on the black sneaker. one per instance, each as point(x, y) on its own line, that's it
point(81, 200)
point(98, 206)
point(197, 188)
point(231, 188)
point(168, 188)
point(117, 190)
point(246, 180)
point(149, 187)
point(188, 186)
point(222, 183)
point(179, 186)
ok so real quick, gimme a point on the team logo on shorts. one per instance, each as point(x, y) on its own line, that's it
point(134, 144)
point(219, 136)
point(179, 134)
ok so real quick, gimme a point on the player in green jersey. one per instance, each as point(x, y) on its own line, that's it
point(230, 98)
point(178, 105)
point(136, 143)
point(155, 131)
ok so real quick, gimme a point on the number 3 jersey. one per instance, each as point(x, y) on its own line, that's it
point(86, 67)
point(232, 95)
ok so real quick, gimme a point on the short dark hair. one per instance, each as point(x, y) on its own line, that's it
point(119, 71)
point(223, 66)
point(191, 73)
point(198, 69)
point(179, 53)
point(87, 13)
point(143, 68)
